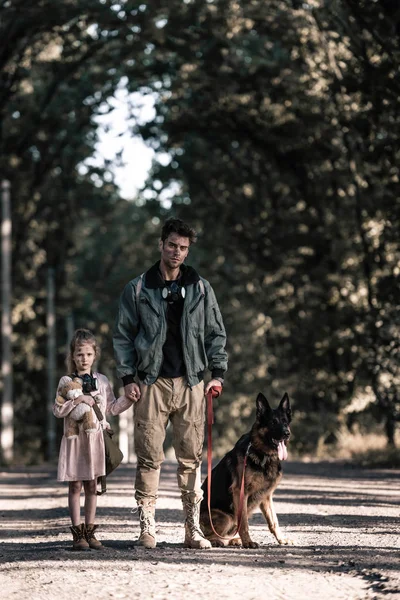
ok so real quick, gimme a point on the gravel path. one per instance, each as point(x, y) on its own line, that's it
point(344, 523)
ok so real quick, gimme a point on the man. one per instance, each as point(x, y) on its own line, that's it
point(169, 329)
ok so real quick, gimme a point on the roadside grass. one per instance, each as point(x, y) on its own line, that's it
point(369, 450)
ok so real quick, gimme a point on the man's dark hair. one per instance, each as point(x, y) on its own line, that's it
point(178, 226)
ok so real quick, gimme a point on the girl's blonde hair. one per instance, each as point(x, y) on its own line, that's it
point(80, 337)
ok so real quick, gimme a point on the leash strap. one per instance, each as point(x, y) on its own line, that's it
point(101, 480)
point(214, 393)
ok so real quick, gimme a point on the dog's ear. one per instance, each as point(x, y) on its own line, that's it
point(263, 408)
point(285, 406)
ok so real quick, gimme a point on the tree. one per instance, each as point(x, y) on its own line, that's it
point(60, 65)
point(272, 115)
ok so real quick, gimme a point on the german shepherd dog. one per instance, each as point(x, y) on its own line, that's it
point(265, 446)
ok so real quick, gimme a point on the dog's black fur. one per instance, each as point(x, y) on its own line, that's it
point(262, 476)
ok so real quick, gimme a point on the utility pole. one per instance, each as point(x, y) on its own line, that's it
point(7, 408)
point(51, 364)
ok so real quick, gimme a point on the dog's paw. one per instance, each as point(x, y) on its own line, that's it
point(218, 543)
point(236, 542)
point(250, 544)
point(285, 542)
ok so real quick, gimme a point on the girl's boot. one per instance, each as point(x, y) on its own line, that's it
point(91, 538)
point(78, 533)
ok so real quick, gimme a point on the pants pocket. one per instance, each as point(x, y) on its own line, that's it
point(188, 440)
point(149, 439)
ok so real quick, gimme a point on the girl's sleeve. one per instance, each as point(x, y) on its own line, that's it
point(62, 410)
point(115, 406)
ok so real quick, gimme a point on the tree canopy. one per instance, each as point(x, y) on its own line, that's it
point(281, 124)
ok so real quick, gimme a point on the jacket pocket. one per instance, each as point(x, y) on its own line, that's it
point(195, 305)
point(197, 350)
point(146, 303)
point(150, 321)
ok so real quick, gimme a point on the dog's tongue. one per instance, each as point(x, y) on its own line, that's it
point(282, 451)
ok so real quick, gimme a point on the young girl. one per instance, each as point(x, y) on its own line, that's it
point(82, 458)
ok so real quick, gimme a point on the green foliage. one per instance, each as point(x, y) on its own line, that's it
point(60, 65)
point(281, 121)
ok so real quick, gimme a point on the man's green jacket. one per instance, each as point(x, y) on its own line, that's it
point(141, 328)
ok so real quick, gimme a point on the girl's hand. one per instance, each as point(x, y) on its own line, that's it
point(89, 400)
point(86, 399)
point(132, 392)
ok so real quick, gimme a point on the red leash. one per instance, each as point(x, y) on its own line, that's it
point(214, 393)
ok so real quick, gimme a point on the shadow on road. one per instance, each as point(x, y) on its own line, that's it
point(337, 516)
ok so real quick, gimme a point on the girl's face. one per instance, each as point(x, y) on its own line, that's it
point(83, 357)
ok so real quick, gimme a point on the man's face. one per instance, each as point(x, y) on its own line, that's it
point(174, 250)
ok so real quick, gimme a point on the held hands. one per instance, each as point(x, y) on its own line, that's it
point(132, 392)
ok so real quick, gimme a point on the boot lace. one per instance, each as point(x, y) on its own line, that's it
point(192, 518)
point(78, 533)
point(90, 533)
point(147, 523)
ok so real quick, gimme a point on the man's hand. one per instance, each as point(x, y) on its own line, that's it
point(132, 392)
point(214, 383)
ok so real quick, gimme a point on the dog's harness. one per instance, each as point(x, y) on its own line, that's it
point(214, 393)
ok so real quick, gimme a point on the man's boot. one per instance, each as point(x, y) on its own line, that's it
point(91, 538)
point(78, 533)
point(147, 537)
point(194, 537)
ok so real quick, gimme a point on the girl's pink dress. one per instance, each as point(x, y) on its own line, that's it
point(82, 458)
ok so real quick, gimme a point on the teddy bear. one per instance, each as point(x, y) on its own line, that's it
point(82, 413)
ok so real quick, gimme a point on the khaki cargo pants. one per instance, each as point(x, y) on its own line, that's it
point(169, 400)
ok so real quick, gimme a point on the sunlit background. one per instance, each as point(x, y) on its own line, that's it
point(273, 128)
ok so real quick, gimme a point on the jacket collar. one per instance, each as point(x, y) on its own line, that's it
point(153, 278)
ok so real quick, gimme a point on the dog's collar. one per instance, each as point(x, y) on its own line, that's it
point(255, 456)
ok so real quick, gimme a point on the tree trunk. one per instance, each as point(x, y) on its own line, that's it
point(7, 408)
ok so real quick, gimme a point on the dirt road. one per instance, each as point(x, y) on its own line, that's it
point(344, 523)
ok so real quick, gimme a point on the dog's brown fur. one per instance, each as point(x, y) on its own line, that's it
point(262, 476)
